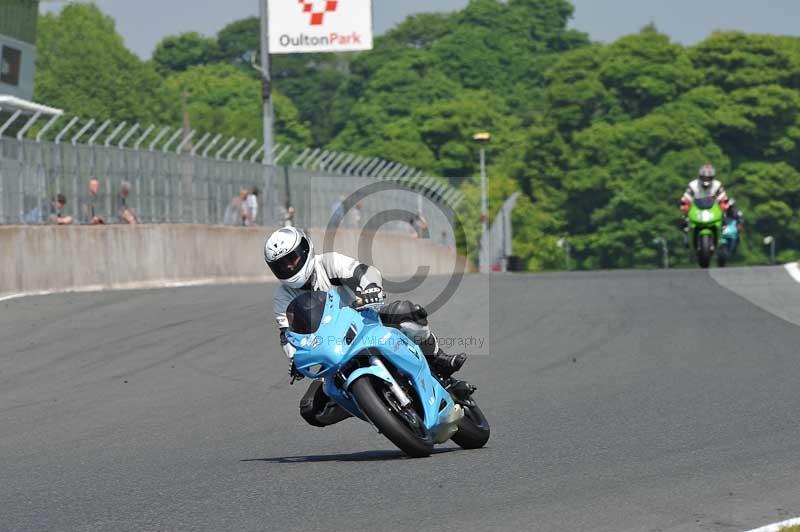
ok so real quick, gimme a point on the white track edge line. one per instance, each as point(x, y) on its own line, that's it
point(794, 270)
point(136, 286)
point(775, 527)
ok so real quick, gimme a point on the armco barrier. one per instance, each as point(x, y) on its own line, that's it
point(40, 259)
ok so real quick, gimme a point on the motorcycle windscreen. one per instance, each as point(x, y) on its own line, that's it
point(305, 312)
point(705, 203)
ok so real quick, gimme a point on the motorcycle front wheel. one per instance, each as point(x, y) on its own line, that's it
point(704, 251)
point(402, 426)
point(722, 255)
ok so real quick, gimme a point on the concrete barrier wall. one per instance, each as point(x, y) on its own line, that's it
point(40, 259)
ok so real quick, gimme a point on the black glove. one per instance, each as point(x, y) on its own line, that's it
point(369, 296)
point(294, 375)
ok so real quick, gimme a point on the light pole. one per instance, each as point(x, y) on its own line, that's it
point(482, 138)
point(664, 250)
point(266, 100)
point(563, 243)
point(770, 241)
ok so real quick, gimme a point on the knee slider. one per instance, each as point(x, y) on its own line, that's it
point(398, 312)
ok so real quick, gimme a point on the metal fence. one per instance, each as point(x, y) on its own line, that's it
point(166, 176)
point(496, 243)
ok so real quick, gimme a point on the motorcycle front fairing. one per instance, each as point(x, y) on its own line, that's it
point(730, 229)
point(344, 334)
point(705, 217)
point(406, 357)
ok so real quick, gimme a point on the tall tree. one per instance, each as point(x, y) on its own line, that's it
point(84, 68)
point(223, 99)
point(179, 52)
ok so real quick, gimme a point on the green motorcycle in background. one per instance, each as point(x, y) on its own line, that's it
point(705, 228)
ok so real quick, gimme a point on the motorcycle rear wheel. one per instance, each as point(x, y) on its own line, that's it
point(368, 393)
point(473, 429)
point(722, 256)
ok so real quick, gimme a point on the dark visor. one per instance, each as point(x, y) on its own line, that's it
point(289, 265)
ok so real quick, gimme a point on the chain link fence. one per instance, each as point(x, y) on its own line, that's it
point(163, 176)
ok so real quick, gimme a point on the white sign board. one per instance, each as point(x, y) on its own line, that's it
point(303, 26)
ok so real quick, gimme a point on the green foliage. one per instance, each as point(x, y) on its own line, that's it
point(646, 71)
point(626, 126)
point(313, 81)
point(239, 41)
point(84, 68)
point(223, 99)
point(180, 52)
point(601, 139)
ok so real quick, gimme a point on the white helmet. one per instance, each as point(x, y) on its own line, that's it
point(290, 255)
point(706, 175)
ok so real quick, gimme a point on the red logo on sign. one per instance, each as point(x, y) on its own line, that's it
point(317, 16)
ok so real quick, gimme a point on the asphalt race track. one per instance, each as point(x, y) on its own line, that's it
point(623, 401)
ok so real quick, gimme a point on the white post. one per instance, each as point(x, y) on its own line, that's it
point(81, 132)
point(483, 196)
point(199, 144)
point(28, 124)
point(144, 136)
point(128, 135)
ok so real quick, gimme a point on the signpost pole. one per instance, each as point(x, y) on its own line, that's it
point(266, 97)
point(304, 27)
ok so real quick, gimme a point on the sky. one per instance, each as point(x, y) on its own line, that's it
point(143, 23)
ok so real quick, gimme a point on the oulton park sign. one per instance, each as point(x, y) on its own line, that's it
point(302, 26)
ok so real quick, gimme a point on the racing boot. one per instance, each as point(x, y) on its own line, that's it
point(318, 410)
point(412, 320)
point(441, 363)
point(460, 390)
point(445, 365)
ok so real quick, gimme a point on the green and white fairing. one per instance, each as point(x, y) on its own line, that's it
point(705, 228)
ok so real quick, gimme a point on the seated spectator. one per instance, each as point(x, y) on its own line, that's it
point(124, 212)
point(90, 210)
point(50, 212)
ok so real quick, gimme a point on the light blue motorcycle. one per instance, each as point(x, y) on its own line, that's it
point(380, 376)
point(728, 241)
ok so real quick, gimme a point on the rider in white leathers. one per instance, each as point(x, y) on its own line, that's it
point(704, 186)
point(289, 253)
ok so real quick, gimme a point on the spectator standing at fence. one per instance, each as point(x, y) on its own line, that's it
point(125, 214)
point(243, 211)
point(51, 212)
point(420, 225)
point(252, 206)
point(236, 213)
point(288, 216)
point(353, 218)
point(337, 212)
point(90, 210)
